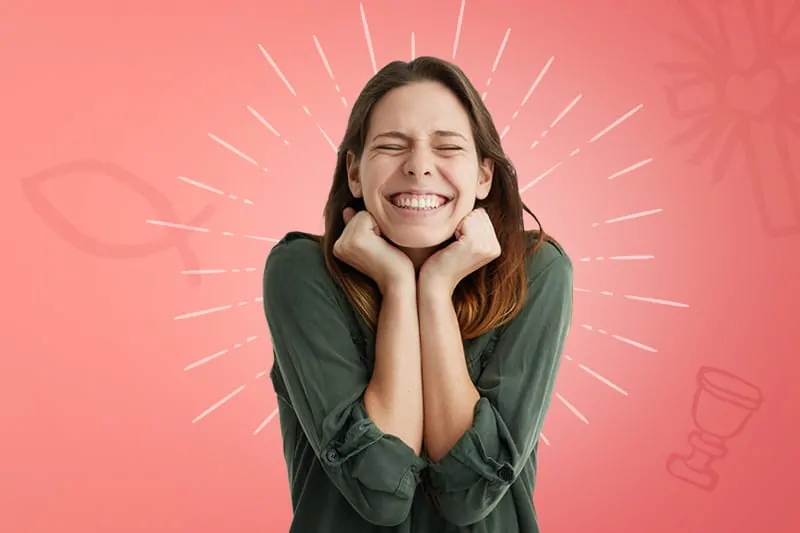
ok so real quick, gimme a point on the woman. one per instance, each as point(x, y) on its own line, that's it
point(417, 341)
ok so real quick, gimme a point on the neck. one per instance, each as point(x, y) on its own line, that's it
point(418, 256)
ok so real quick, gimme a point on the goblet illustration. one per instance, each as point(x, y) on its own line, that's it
point(723, 404)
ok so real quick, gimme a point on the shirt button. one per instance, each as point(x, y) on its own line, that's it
point(506, 473)
point(331, 456)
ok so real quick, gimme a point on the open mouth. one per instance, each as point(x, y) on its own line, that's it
point(419, 202)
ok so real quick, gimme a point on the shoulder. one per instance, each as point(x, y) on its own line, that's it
point(295, 268)
point(296, 248)
point(548, 261)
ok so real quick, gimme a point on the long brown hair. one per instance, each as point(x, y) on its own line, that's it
point(490, 296)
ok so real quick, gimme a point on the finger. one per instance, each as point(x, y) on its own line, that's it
point(462, 226)
point(375, 228)
point(348, 214)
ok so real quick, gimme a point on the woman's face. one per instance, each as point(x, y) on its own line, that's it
point(419, 174)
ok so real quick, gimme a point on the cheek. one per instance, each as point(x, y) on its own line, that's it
point(463, 176)
point(373, 177)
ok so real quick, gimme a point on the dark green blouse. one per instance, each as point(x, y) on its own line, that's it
point(345, 474)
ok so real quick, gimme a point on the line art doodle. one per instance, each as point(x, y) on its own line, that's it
point(64, 228)
point(750, 109)
point(723, 404)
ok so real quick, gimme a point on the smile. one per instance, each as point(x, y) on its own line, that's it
point(418, 202)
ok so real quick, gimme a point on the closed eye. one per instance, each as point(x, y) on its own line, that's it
point(450, 148)
point(389, 147)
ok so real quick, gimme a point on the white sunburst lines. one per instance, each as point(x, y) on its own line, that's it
point(558, 118)
point(228, 146)
point(328, 68)
point(218, 404)
point(630, 216)
point(267, 125)
point(628, 258)
point(291, 89)
point(218, 309)
point(602, 133)
point(457, 41)
point(631, 168)
point(528, 95)
point(210, 271)
point(217, 355)
point(228, 397)
point(599, 377)
point(199, 229)
point(645, 299)
point(368, 37)
point(459, 23)
point(621, 338)
point(209, 188)
point(640, 257)
point(496, 62)
point(571, 407)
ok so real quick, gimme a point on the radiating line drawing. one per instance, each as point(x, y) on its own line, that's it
point(621, 338)
point(648, 299)
point(750, 109)
point(570, 107)
point(209, 188)
point(496, 61)
point(289, 86)
point(328, 69)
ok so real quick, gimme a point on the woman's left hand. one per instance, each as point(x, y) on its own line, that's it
point(476, 245)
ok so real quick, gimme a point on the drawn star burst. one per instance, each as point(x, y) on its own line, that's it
point(540, 77)
point(749, 93)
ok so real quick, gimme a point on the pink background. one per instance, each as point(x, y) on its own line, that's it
point(120, 117)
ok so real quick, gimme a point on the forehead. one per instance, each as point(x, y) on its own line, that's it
point(420, 108)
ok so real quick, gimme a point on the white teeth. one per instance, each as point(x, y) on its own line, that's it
point(416, 201)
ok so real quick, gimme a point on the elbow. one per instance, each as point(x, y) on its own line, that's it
point(382, 494)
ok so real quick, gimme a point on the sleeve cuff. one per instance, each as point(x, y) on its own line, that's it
point(476, 457)
point(380, 462)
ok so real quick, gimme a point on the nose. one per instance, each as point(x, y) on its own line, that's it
point(418, 164)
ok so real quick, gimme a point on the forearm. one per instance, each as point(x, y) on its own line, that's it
point(393, 398)
point(448, 392)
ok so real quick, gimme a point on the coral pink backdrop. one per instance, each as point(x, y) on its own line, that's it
point(152, 152)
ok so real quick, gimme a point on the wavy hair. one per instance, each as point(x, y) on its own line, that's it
point(493, 294)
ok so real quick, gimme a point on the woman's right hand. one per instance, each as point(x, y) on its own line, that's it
point(362, 247)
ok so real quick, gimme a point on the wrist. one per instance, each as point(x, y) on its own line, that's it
point(399, 283)
point(434, 286)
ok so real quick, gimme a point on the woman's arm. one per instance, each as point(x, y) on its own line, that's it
point(393, 398)
point(480, 437)
point(326, 380)
point(448, 392)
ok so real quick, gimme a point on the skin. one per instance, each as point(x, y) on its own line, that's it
point(419, 139)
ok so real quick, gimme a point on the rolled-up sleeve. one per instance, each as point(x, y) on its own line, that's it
point(325, 376)
point(515, 392)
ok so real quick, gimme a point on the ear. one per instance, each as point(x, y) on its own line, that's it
point(353, 179)
point(485, 175)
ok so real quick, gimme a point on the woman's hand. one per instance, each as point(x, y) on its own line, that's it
point(362, 247)
point(476, 245)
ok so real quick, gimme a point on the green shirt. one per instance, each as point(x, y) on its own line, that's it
point(345, 474)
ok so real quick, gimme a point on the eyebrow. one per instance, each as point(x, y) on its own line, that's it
point(437, 133)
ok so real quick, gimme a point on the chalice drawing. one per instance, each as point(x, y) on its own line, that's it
point(723, 404)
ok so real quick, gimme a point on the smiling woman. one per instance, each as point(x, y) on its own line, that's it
point(417, 341)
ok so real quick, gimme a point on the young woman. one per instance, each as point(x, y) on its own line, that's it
point(417, 341)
